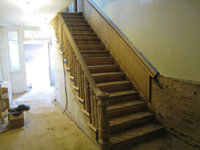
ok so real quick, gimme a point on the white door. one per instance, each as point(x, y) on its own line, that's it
point(15, 60)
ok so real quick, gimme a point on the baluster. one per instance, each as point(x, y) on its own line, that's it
point(76, 73)
point(72, 66)
point(95, 111)
point(69, 56)
point(82, 80)
point(88, 96)
point(92, 107)
point(81, 84)
point(85, 93)
point(75, 78)
point(68, 53)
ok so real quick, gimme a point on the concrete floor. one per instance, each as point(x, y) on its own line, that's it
point(46, 128)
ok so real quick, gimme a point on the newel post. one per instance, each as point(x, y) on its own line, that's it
point(104, 126)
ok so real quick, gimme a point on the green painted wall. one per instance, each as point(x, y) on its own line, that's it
point(167, 32)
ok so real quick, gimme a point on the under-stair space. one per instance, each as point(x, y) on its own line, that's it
point(130, 122)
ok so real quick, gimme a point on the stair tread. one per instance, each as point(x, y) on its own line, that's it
point(101, 66)
point(133, 133)
point(64, 13)
point(125, 105)
point(87, 58)
point(78, 24)
point(107, 73)
point(122, 93)
point(81, 39)
point(77, 20)
point(129, 117)
point(113, 83)
point(93, 51)
point(90, 45)
point(89, 29)
point(83, 33)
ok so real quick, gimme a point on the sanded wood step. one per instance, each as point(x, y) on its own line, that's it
point(134, 136)
point(73, 17)
point(108, 76)
point(79, 31)
point(132, 119)
point(122, 95)
point(94, 53)
point(84, 35)
point(104, 68)
point(88, 41)
point(116, 86)
point(81, 26)
point(72, 22)
point(72, 14)
point(126, 107)
point(99, 60)
point(91, 46)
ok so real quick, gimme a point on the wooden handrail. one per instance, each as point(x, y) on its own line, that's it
point(144, 62)
point(99, 93)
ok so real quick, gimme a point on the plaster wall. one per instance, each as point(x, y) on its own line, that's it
point(73, 109)
point(1, 49)
point(166, 32)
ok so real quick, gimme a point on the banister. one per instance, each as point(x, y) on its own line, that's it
point(99, 93)
point(149, 68)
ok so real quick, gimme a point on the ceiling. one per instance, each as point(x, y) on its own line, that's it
point(30, 13)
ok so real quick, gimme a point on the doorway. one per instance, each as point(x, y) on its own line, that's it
point(37, 64)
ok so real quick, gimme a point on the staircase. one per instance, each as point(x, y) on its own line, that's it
point(130, 122)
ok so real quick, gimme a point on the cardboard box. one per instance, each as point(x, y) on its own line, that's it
point(16, 121)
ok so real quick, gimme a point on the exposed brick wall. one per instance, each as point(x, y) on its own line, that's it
point(178, 103)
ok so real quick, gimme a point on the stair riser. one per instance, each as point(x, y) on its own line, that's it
point(101, 79)
point(99, 70)
point(123, 98)
point(88, 42)
point(99, 62)
point(133, 123)
point(84, 36)
point(132, 109)
point(82, 31)
point(140, 139)
point(91, 47)
point(116, 88)
point(95, 54)
point(79, 26)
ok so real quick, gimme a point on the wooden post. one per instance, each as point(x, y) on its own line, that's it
point(104, 128)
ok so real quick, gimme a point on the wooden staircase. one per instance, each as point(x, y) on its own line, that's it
point(130, 122)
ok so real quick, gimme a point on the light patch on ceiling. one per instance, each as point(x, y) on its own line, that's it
point(30, 6)
point(30, 13)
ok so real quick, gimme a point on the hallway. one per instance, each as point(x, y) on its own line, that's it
point(45, 127)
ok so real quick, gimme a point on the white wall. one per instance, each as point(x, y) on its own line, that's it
point(167, 32)
point(1, 49)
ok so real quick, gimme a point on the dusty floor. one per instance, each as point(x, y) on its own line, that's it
point(46, 128)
